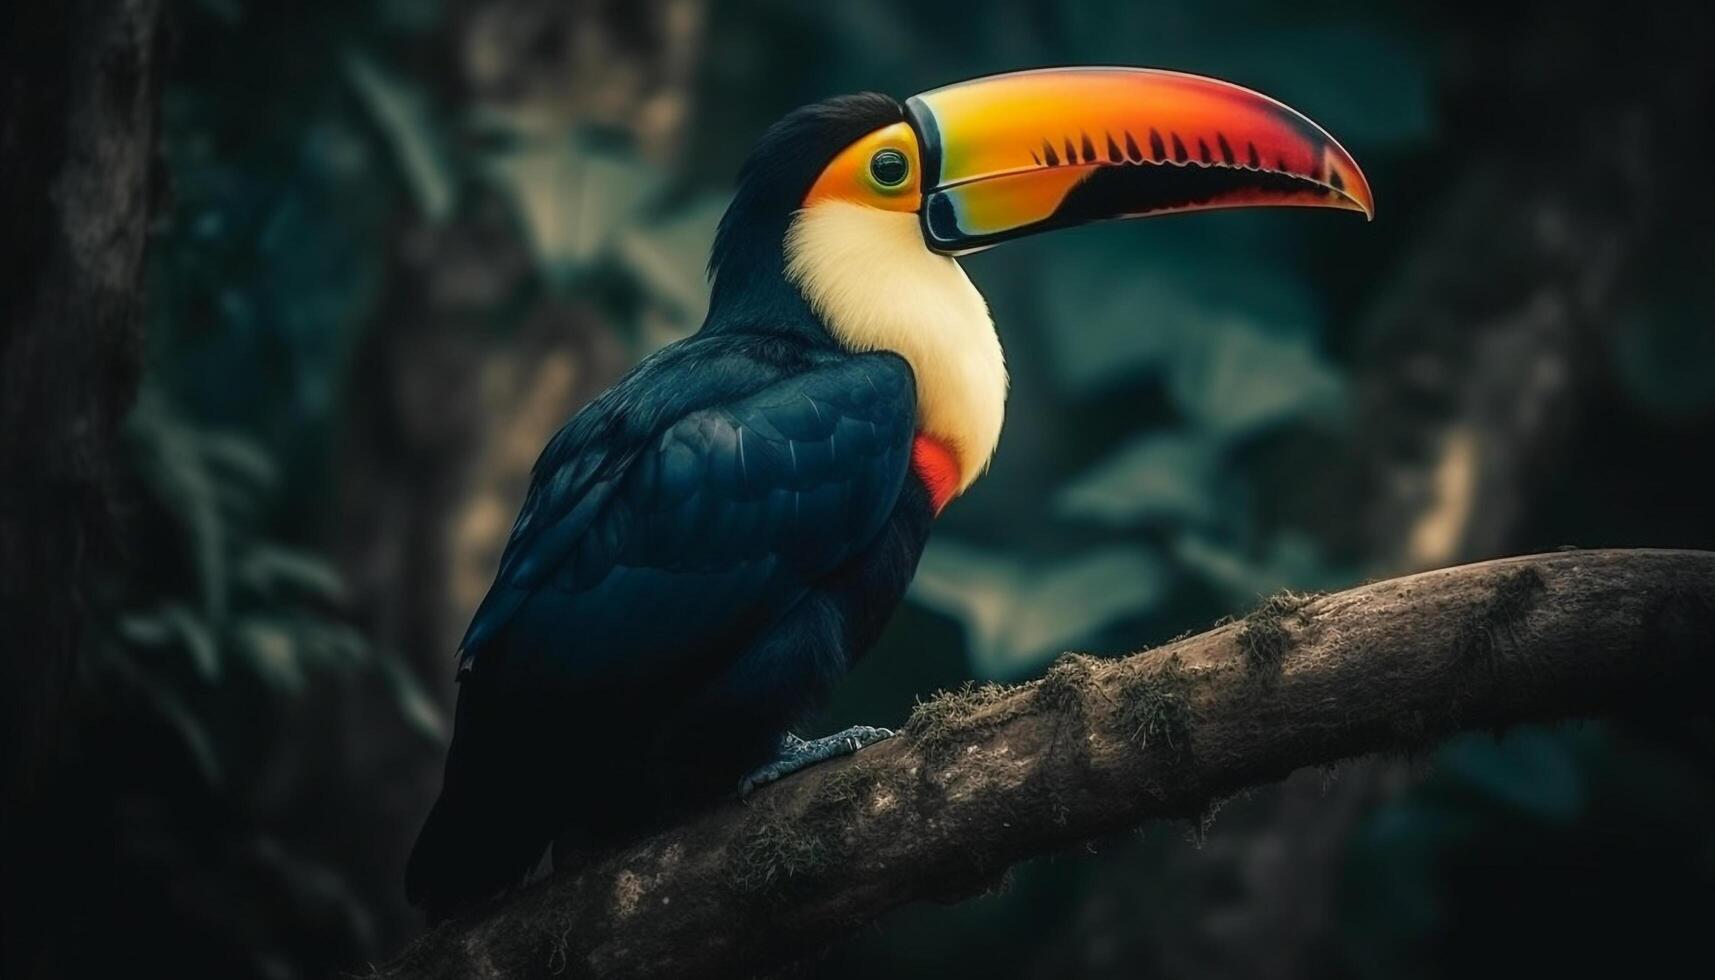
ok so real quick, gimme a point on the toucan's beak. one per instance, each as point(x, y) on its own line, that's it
point(1015, 154)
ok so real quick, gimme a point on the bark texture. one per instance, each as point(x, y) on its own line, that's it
point(77, 121)
point(985, 777)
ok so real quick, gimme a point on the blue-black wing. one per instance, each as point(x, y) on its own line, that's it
point(678, 516)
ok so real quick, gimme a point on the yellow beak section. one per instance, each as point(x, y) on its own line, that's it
point(1015, 154)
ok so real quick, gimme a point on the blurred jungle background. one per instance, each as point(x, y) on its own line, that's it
point(393, 245)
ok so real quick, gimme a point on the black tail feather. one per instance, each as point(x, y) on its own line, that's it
point(464, 854)
point(490, 825)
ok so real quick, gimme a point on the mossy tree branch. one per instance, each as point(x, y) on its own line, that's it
point(985, 777)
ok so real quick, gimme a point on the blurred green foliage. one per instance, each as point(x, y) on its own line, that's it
point(212, 631)
point(1174, 383)
point(1210, 333)
point(1592, 842)
point(216, 607)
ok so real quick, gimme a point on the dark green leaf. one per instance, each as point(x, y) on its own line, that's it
point(1163, 477)
point(403, 114)
point(273, 572)
point(270, 647)
point(414, 703)
point(173, 710)
point(1018, 615)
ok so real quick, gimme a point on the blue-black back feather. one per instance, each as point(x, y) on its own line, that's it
point(654, 523)
point(702, 551)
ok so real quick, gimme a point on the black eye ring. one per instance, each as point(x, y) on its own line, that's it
point(889, 168)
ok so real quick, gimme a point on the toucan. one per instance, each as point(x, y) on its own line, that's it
point(709, 545)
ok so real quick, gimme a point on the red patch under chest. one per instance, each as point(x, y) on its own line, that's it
point(934, 463)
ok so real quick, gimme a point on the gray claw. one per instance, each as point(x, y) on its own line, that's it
point(796, 754)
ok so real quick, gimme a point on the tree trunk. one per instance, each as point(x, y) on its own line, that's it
point(77, 124)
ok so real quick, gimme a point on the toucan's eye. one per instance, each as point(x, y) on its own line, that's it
point(877, 171)
point(889, 168)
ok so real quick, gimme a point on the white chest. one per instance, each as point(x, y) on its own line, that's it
point(869, 277)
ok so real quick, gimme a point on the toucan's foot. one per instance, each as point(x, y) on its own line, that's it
point(796, 754)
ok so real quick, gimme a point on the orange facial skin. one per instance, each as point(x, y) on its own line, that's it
point(848, 177)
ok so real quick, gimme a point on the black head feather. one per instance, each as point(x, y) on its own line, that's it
point(746, 263)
